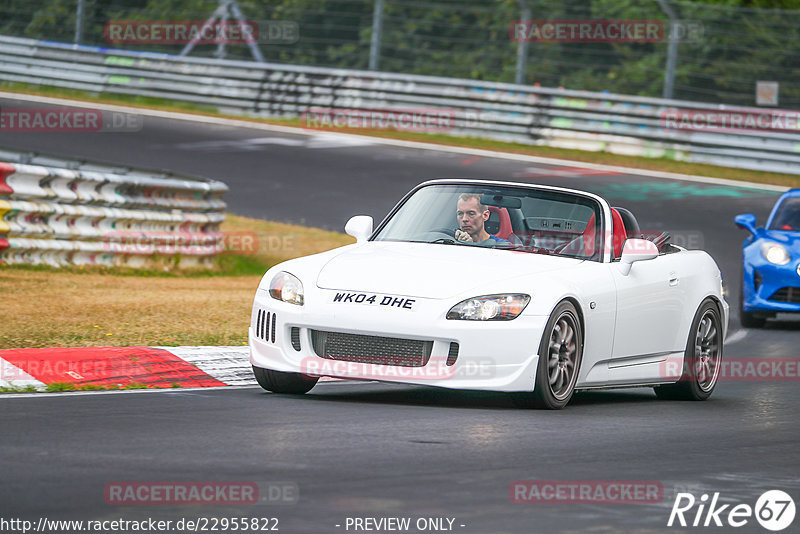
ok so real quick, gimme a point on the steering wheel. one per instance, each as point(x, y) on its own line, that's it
point(450, 232)
point(563, 246)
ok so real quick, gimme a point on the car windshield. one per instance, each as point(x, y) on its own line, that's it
point(501, 217)
point(787, 217)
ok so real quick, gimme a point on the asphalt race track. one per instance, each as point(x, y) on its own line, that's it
point(358, 450)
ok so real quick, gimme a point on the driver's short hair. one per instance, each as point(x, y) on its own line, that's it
point(467, 196)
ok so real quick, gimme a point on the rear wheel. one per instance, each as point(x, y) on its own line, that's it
point(560, 354)
point(280, 382)
point(702, 359)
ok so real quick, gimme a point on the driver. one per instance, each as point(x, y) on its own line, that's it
point(471, 216)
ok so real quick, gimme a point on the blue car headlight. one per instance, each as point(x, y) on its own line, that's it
point(286, 287)
point(489, 308)
point(775, 253)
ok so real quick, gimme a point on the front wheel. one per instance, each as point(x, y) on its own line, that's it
point(702, 359)
point(280, 382)
point(560, 354)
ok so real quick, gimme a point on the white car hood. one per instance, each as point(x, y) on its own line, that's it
point(430, 270)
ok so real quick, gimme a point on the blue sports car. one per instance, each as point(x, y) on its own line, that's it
point(771, 268)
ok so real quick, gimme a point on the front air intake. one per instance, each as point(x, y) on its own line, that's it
point(296, 339)
point(452, 355)
point(371, 349)
point(266, 323)
point(790, 295)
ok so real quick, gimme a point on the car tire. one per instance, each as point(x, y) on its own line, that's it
point(748, 319)
point(702, 359)
point(280, 382)
point(560, 356)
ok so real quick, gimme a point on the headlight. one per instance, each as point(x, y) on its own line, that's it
point(489, 308)
point(775, 253)
point(286, 287)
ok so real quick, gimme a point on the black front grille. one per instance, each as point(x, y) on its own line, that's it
point(296, 339)
point(265, 325)
point(452, 355)
point(790, 295)
point(371, 349)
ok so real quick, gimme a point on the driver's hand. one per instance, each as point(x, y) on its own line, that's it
point(461, 235)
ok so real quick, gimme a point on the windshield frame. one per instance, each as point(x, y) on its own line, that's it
point(605, 220)
point(793, 196)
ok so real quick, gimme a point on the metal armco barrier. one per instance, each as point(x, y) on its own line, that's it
point(532, 115)
point(60, 212)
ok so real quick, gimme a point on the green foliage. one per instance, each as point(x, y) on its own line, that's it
point(18, 389)
point(135, 385)
point(60, 386)
point(740, 42)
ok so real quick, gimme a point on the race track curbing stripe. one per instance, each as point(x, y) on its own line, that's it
point(155, 367)
point(12, 376)
point(230, 365)
point(104, 367)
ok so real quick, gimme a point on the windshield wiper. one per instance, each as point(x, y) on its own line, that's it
point(440, 241)
point(525, 248)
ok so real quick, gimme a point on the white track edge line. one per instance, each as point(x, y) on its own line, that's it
point(391, 142)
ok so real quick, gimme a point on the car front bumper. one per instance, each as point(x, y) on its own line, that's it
point(492, 355)
point(768, 296)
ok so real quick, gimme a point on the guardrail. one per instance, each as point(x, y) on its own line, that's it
point(532, 115)
point(60, 212)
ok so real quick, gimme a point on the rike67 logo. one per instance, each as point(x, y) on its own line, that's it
point(774, 510)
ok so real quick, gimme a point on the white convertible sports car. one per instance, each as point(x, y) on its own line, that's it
point(533, 290)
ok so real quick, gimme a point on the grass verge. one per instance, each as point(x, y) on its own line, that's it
point(92, 306)
point(605, 158)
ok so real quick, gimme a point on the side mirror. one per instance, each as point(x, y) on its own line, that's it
point(636, 250)
point(359, 227)
point(746, 221)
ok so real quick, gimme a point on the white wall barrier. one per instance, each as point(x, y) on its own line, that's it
point(68, 213)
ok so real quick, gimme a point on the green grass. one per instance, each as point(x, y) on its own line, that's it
point(55, 387)
point(14, 389)
point(231, 265)
point(104, 306)
point(60, 386)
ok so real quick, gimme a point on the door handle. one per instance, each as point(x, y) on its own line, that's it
point(673, 279)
